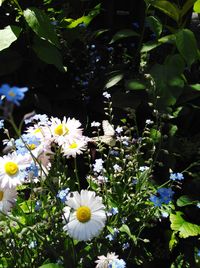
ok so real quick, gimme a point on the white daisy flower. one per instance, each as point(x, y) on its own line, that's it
point(12, 169)
point(87, 215)
point(74, 147)
point(104, 261)
point(8, 198)
point(65, 130)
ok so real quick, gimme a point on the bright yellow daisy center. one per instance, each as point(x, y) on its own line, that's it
point(83, 214)
point(73, 145)
point(37, 130)
point(11, 168)
point(60, 130)
point(32, 146)
point(1, 195)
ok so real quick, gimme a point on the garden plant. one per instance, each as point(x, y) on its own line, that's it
point(100, 136)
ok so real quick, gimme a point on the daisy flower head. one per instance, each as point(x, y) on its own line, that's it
point(87, 215)
point(104, 261)
point(74, 147)
point(12, 169)
point(13, 94)
point(7, 199)
point(67, 129)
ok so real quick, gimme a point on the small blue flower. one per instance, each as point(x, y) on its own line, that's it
point(113, 236)
point(118, 263)
point(164, 196)
point(156, 200)
point(13, 94)
point(1, 124)
point(198, 253)
point(38, 205)
point(62, 194)
point(125, 245)
point(176, 176)
point(25, 143)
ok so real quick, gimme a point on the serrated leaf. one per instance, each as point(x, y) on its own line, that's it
point(185, 229)
point(168, 8)
point(48, 53)
point(8, 35)
point(113, 80)
point(40, 23)
point(185, 200)
point(187, 46)
point(155, 25)
point(123, 34)
point(196, 7)
point(135, 85)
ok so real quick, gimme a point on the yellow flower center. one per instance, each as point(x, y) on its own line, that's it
point(37, 130)
point(73, 145)
point(11, 93)
point(11, 168)
point(83, 214)
point(32, 146)
point(1, 195)
point(61, 130)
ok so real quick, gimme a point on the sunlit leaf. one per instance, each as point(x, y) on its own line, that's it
point(40, 23)
point(185, 229)
point(135, 85)
point(114, 80)
point(123, 34)
point(197, 6)
point(8, 35)
point(195, 87)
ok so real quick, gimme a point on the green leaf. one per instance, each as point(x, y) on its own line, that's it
point(151, 45)
point(173, 241)
point(186, 7)
point(135, 85)
point(155, 25)
point(51, 265)
point(8, 35)
point(48, 53)
point(195, 87)
point(40, 23)
point(168, 8)
point(185, 200)
point(187, 46)
point(185, 229)
point(123, 34)
point(155, 135)
point(113, 80)
point(196, 7)
point(125, 229)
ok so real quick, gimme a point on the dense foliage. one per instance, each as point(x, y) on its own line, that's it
point(100, 134)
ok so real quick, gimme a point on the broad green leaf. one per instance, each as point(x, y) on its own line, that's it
point(185, 229)
point(155, 135)
point(48, 53)
point(151, 45)
point(187, 45)
point(196, 7)
point(113, 80)
point(123, 34)
point(186, 7)
point(195, 87)
point(168, 8)
point(40, 23)
point(8, 35)
point(135, 85)
point(86, 19)
point(185, 200)
point(51, 265)
point(155, 25)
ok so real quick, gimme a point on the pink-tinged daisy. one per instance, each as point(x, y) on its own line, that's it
point(12, 169)
point(67, 129)
point(87, 216)
point(104, 261)
point(8, 198)
point(74, 148)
